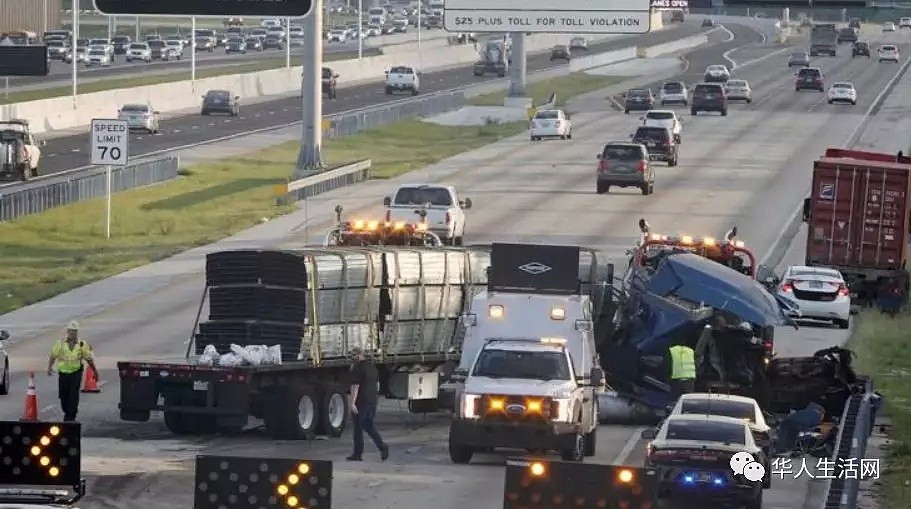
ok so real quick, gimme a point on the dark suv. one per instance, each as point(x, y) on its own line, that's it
point(660, 143)
point(861, 49)
point(625, 164)
point(329, 82)
point(809, 79)
point(847, 34)
point(638, 99)
point(709, 97)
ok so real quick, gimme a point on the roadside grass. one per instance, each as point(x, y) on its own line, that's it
point(566, 87)
point(47, 254)
point(157, 79)
point(883, 348)
point(63, 248)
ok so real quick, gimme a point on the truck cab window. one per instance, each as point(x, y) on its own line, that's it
point(524, 364)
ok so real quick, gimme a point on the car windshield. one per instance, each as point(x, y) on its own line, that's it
point(529, 365)
point(888, 48)
point(97, 52)
point(710, 406)
point(436, 196)
point(847, 31)
point(637, 93)
point(622, 153)
point(137, 46)
point(816, 272)
point(706, 431)
point(235, 41)
point(651, 133)
point(156, 44)
point(842, 85)
point(547, 114)
point(737, 83)
point(218, 94)
point(134, 108)
point(705, 91)
point(716, 68)
point(796, 56)
point(659, 115)
point(673, 88)
point(56, 43)
point(402, 70)
point(860, 45)
point(808, 72)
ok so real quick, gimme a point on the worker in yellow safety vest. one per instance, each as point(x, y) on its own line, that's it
point(683, 368)
point(69, 354)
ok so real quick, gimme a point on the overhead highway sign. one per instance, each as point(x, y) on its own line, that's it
point(541, 16)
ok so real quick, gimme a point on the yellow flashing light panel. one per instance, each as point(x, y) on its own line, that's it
point(495, 311)
point(266, 482)
point(571, 485)
point(708, 241)
point(686, 239)
point(553, 341)
point(40, 454)
point(558, 313)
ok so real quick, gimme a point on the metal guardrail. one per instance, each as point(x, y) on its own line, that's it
point(20, 201)
point(355, 121)
point(855, 428)
point(318, 183)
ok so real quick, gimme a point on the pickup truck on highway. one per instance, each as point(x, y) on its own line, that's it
point(20, 152)
point(403, 79)
point(439, 206)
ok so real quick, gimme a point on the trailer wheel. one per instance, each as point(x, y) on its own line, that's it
point(333, 413)
point(294, 415)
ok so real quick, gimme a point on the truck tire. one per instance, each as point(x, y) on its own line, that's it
point(576, 452)
point(294, 414)
point(131, 415)
point(333, 412)
point(458, 453)
point(591, 441)
point(459, 241)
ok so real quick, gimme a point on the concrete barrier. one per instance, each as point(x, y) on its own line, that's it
point(602, 59)
point(671, 47)
point(58, 113)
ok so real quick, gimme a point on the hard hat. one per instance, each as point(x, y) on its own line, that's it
point(73, 325)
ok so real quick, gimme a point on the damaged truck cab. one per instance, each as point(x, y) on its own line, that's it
point(20, 152)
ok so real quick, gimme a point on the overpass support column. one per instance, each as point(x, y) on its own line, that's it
point(310, 159)
point(518, 71)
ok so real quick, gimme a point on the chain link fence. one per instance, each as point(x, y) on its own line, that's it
point(26, 199)
point(352, 122)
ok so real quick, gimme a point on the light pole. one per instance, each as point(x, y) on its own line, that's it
point(288, 43)
point(420, 22)
point(74, 47)
point(360, 29)
point(193, 48)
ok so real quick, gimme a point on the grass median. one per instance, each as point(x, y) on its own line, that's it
point(169, 77)
point(884, 353)
point(47, 254)
point(566, 87)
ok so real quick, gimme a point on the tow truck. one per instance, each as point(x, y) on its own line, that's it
point(364, 232)
point(730, 252)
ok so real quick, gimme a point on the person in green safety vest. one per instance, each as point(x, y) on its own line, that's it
point(683, 368)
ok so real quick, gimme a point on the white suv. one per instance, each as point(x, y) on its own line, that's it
point(888, 53)
point(139, 51)
point(904, 23)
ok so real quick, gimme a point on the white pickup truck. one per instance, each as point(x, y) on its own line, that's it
point(403, 79)
point(440, 207)
point(19, 150)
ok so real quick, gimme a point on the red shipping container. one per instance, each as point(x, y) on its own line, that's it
point(859, 213)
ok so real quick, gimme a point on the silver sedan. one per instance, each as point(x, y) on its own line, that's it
point(738, 90)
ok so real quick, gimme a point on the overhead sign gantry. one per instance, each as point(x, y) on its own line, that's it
point(544, 16)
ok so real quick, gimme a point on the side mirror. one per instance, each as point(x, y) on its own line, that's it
point(467, 204)
point(649, 434)
point(597, 377)
point(4, 335)
point(387, 201)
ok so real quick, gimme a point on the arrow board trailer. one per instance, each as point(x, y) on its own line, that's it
point(110, 141)
point(540, 16)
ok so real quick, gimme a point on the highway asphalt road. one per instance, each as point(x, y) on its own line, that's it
point(61, 72)
point(750, 168)
point(72, 151)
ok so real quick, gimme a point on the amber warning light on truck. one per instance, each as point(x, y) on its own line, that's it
point(243, 482)
point(558, 485)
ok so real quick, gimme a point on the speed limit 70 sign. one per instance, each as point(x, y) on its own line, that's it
point(110, 141)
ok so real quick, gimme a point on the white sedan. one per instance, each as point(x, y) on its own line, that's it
point(728, 405)
point(664, 118)
point(819, 293)
point(888, 53)
point(551, 124)
point(888, 26)
point(738, 90)
point(842, 91)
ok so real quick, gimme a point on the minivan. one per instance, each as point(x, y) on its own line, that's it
point(625, 164)
point(709, 97)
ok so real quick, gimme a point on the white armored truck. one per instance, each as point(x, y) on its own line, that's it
point(529, 358)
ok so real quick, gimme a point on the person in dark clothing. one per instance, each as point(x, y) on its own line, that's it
point(363, 400)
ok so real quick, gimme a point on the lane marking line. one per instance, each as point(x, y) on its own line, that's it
point(628, 447)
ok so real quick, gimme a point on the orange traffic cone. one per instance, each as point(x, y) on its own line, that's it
point(31, 400)
point(90, 381)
